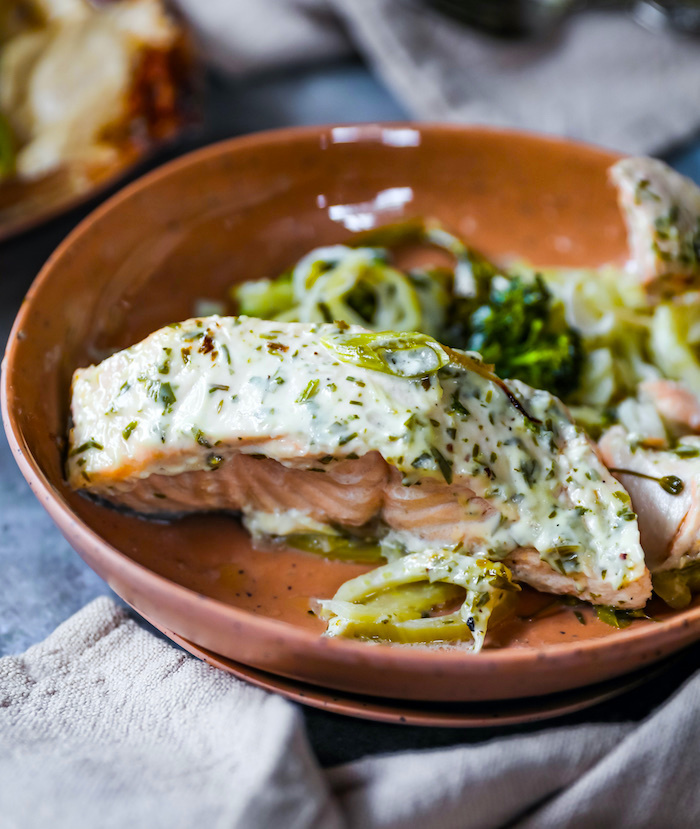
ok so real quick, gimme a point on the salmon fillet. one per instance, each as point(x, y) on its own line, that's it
point(662, 212)
point(677, 405)
point(350, 492)
point(669, 522)
point(318, 427)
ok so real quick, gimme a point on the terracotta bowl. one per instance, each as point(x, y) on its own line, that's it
point(248, 208)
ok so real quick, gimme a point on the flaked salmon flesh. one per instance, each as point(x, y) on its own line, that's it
point(662, 212)
point(669, 520)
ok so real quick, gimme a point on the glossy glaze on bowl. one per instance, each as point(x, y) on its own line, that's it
point(248, 208)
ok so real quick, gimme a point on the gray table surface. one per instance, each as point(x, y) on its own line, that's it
point(44, 581)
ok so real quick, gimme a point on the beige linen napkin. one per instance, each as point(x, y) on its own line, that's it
point(602, 78)
point(105, 725)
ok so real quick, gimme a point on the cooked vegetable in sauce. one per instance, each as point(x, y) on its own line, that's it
point(677, 586)
point(373, 607)
point(512, 320)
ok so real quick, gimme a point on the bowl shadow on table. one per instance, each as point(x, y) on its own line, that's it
point(337, 739)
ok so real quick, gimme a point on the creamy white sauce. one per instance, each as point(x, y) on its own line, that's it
point(192, 394)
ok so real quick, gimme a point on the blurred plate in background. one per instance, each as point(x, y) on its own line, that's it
point(86, 91)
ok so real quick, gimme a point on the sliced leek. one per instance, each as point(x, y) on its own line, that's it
point(356, 285)
point(336, 547)
point(676, 587)
point(374, 606)
point(403, 355)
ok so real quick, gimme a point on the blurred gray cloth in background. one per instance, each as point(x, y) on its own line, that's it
point(105, 725)
point(601, 78)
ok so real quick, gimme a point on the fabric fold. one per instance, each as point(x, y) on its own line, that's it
point(600, 77)
point(488, 784)
point(104, 724)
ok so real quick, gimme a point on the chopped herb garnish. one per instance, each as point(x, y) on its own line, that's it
point(457, 408)
point(617, 618)
point(166, 396)
point(199, 436)
point(89, 444)
point(128, 429)
point(686, 451)
point(207, 344)
point(214, 461)
point(444, 465)
point(217, 387)
point(310, 391)
point(164, 367)
point(422, 461)
point(347, 439)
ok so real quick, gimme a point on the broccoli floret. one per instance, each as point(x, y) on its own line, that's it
point(516, 324)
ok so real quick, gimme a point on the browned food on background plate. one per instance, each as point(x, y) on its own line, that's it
point(85, 91)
